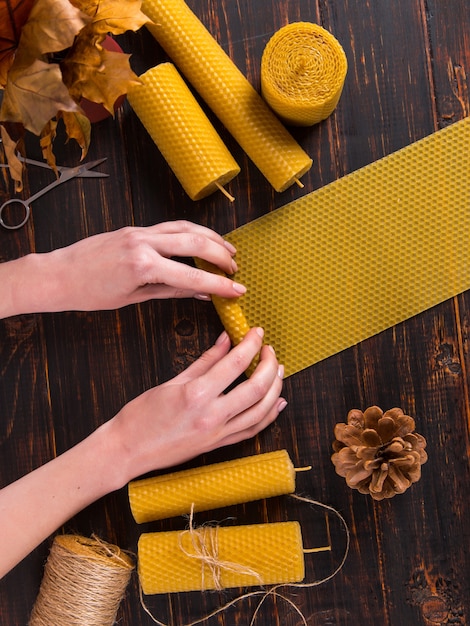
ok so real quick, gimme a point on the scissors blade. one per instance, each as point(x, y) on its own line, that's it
point(84, 171)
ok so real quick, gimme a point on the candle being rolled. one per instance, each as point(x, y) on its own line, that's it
point(211, 557)
point(303, 69)
point(212, 486)
point(182, 131)
point(227, 92)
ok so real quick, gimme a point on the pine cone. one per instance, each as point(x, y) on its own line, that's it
point(379, 453)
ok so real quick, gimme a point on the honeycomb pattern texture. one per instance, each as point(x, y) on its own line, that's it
point(212, 486)
point(227, 92)
point(303, 69)
point(241, 556)
point(182, 131)
point(363, 253)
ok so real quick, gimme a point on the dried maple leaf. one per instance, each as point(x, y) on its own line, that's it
point(113, 16)
point(35, 93)
point(78, 127)
point(15, 166)
point(51, 27)
point(13, 15)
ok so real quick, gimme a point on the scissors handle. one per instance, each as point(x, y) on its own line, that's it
point(24, 206)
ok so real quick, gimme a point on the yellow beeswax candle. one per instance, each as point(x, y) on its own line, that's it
point(212, 486)
point(303, 69)
point(211, 557)
point(227, 91)
point(182, 131)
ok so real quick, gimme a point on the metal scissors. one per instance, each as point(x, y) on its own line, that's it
point(65, 173)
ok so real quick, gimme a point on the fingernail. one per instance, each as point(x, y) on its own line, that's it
point(282, 405)
point(280, 371)
point(229, 247)
point(234, 266)
point(260, 332)
point(202, 296)
point(221, 338)
point(239, 288)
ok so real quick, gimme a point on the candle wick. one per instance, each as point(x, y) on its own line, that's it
point(300, 184)
point(303, 469)
point(321, 549)
point(224, 191)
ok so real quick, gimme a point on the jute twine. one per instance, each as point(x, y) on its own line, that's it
point(83, 584)
point(208, 555)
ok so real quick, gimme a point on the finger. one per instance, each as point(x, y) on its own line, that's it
point(194, 245)
point(207, 360)
point(256, 428)
point(185, 279)
point(234, 364)
point(185, 226)
point(257, 389)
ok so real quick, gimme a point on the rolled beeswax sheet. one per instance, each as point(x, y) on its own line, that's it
point(182, 131)
point(211, 557)
point(212, 486)
point(303, 69)
point(362, 254)
point(227, 92)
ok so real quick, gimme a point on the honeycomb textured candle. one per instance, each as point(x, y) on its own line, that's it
point(218, 558)
point(212, 486)
point(227, 91)
point(303, 69)
point(183, 133)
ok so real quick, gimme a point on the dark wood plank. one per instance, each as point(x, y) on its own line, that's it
point(64, 374)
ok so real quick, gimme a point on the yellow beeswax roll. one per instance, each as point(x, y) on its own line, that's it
point(303, 69)
point(211, 557)
point(183, 133)
point(370, 262)
point(212, 486)
point(227, 91)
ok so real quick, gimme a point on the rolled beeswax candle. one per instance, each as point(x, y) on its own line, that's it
point(303, 69)
point(227, 91)
point(218, 558)
point(182, 131)
point(212, 486)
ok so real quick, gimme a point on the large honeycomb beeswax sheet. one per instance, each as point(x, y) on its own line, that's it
point(361, 254)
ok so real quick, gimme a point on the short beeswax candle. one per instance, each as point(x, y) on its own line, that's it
point(303, 69)
point(218, 558)
point(212, 486)
point(227, 91)
point(182, 131)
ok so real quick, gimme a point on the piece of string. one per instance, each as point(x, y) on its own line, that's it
point(274, 591)
point(205, 544)
point(84, 582)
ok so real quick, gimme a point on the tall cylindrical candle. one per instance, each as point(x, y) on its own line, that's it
point(212, 486)
point(227, 91)
point(218, 558)
point(303, 69)
point(183, 133)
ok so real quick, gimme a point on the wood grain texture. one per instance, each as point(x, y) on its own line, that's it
point(64, 374)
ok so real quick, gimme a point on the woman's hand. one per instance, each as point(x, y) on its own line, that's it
point(111, 270)
point(191, 414)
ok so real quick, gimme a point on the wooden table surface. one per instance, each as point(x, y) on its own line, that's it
point(61, 375)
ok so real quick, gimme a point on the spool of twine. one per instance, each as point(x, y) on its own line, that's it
point(303, 69)
point(83, 584)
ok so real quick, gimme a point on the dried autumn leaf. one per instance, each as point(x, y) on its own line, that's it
point(113, 16)
point(47, 137)
point(13, 15)
point(51, 27)
point(15, 165)
point(34, 95)
point(78, 127)
point(105, 85)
